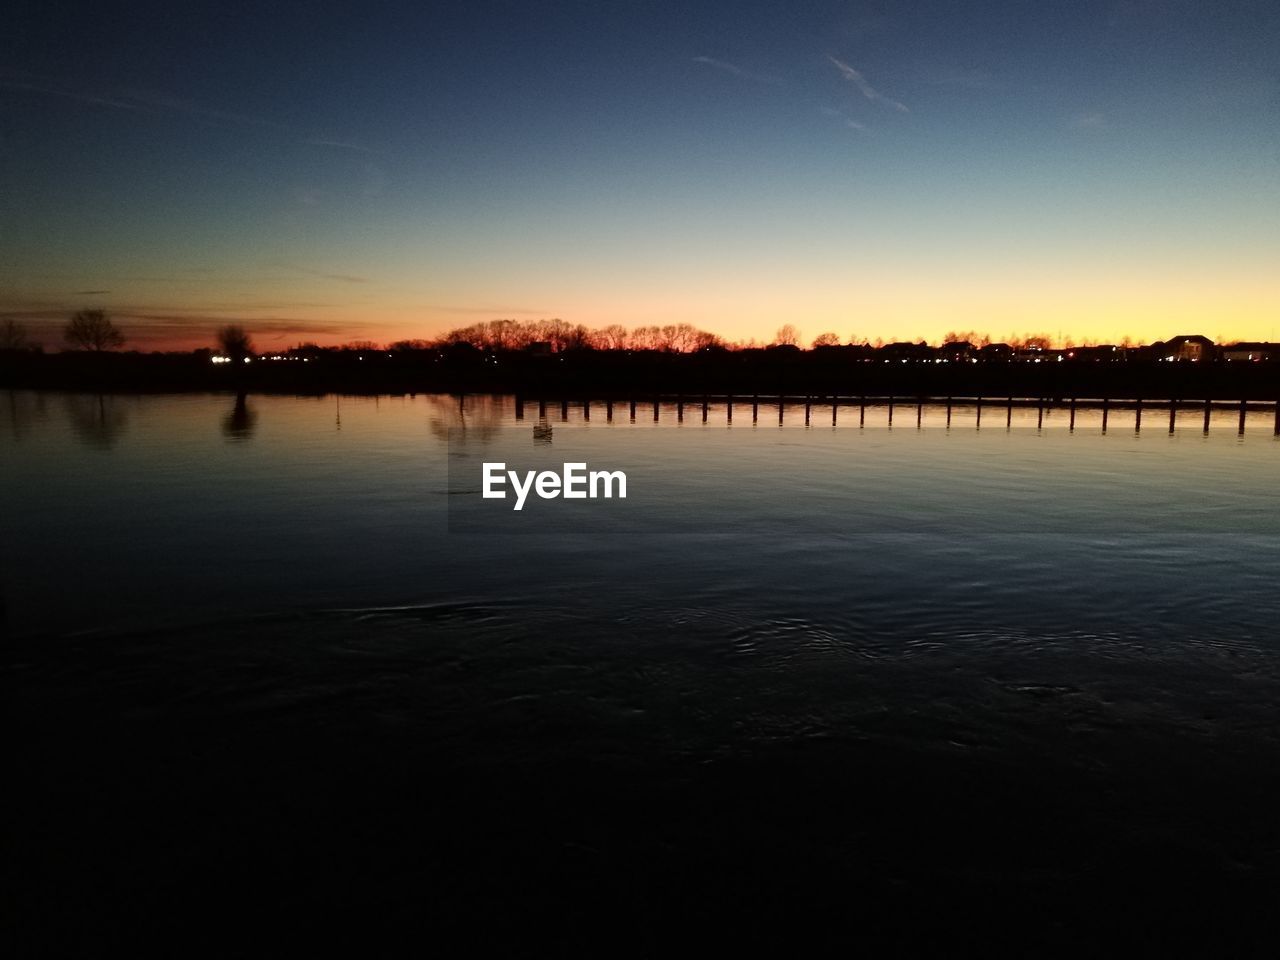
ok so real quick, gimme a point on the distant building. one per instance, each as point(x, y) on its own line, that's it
point(996, 351)
point(905, 351)
point(1187, 347)
point(956, 350)
point(1104, 353)
point(1256, 352)
point(1036, 354)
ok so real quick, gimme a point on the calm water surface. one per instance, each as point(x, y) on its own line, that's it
point(912, 663)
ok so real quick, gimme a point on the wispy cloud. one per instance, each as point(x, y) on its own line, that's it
point(493, 311)
point(146, 101)
point(844, 120)
point(721, 65)
point(871, 93)
point(736, 70)
point(311, 272)
point(159, 327)
point(338, 144)
point(136, 100)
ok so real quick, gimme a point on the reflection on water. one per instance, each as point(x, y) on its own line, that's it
point(865, 666)
point(465, 419)
point(731, 512)
point(98, 420)
point(239, 423)
point(22, 410)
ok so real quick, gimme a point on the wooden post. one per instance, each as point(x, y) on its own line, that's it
point(978, 424)
point(1137, 417)
point(679, 408)
point(728, 407)
point(862, 412)
point(808, 400)
point(1071, 423)
point(586, 410)
point(564, 410)
point(1040, 415)
point(519, 407)
point(608, 411)
point(834, 407)
point(1173, 413)
point(704, 408)
point(948, 413)
point(542, 409)
point(1278, 418)
point(655, 410)
point(919, 411)
point(1106, 410)
point(1243, 408)
point(781, 403)
point(891, 411)
point(1207, 408)
point(755, 408)
point(1008, 418)
point(633, 411)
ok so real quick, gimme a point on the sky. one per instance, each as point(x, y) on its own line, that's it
point(380, 171)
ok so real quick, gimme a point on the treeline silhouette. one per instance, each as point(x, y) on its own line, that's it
point(555, 358)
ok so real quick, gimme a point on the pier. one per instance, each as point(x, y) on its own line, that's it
point(1109, 407)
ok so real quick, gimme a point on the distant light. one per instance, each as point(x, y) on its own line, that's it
point(246, 359)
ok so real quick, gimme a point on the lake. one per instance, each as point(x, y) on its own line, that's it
point(276, 660)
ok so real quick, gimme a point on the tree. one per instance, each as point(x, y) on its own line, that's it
point(614, 337)
point(827, 340)
point(788, 336)
point(13, 336)
point(971, 337)
point(234, 342)
point(92, 330)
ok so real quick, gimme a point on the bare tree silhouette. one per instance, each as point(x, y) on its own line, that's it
point(234, 342)
point(787, 336)
point(92, 330)
point(13, 336)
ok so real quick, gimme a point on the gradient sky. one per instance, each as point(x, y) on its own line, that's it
point(895, 170)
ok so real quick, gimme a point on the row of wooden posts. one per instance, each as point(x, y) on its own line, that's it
point(836, 402)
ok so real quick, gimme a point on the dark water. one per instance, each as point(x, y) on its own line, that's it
point(279, 663)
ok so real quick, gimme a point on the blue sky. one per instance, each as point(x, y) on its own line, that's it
point(879, 170)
